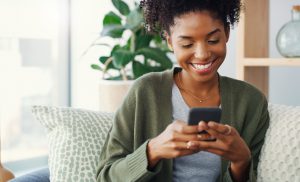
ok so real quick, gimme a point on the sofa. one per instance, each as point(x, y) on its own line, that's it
point(76, 136)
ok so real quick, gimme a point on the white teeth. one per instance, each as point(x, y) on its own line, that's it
point(202, 67)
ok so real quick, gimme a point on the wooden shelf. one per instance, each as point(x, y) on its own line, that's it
point(265, 62)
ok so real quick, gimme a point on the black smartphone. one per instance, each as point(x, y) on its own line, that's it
point(198, 114)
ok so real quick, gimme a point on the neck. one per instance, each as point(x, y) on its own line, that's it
point(200, 88)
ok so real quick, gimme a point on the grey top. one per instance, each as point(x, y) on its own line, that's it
point(201, 166)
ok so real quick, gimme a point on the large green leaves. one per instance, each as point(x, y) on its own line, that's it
point(96, 67)
point(111, 19)
point(134, 20)
point(114, 31)
point(142, 39)
point(156, 55)
point(122, 57)
point(103, 60)
point(139, 69)
point(121, 6)
point(112, 26)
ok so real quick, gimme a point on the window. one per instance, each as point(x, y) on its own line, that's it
point(33, 71)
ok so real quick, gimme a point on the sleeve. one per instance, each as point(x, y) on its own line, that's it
point(119, 160)
point(256, 143)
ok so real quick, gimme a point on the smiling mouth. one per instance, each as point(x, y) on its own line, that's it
point(202, 67)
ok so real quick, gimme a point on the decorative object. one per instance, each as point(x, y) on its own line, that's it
point(288, 38)
point(112, 93)
point(75, 139)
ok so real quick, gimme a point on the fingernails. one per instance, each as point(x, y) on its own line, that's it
point(201, 122)
point(190, 145)
point(211, 124)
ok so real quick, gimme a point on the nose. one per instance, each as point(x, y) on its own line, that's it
point(201, 52)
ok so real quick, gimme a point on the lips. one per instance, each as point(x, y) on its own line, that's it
point(201, 66)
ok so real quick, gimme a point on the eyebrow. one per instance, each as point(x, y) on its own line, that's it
point(209, 34)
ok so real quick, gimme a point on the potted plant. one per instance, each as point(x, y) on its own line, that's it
point(140, 53)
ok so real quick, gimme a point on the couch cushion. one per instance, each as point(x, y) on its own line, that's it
point(75, 140)
point(280, 155)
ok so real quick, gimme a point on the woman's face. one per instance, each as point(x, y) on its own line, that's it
point(199, 44)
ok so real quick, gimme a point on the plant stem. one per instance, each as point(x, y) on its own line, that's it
point(132, 49)
point(90, 46)
point(123, 72)
point(107, 62)
point(132, 42)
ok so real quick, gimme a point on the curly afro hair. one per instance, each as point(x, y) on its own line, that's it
point(159, 14)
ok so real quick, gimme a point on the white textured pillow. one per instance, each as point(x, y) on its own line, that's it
point(75, 139)
point(280, 155)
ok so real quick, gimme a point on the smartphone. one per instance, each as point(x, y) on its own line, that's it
point(198, 114)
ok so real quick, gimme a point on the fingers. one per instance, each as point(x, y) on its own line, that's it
point(175, 136)
point(183, 132)
point(206, 137)
point(216, 151)
point(202, 126)
point(182, 127)
point(220, 131)
point(178, 145)
point(182, 146)
point(220, 128)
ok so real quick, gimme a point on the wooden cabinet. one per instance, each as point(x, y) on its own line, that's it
point(253, 59)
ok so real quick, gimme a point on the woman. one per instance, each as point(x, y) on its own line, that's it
point(150, 139)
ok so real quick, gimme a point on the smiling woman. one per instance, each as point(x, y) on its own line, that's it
point(150, 139)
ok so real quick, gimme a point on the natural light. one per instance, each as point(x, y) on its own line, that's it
point(29, 41)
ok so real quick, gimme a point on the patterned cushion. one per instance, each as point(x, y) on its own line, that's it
point(75, 140)
point(280, 155)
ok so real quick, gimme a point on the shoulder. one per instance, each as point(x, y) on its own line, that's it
point(243, 92)
point(154, 80)
point(241, 87)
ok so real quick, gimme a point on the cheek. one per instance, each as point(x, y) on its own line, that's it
point(182, 55)
point(220, 50)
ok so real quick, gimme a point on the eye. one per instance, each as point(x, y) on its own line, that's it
point(186, 45)
point(212, 42)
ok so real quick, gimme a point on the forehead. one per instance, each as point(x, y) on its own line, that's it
point(198, 23)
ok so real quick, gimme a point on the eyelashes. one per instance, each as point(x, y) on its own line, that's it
point(210, 42)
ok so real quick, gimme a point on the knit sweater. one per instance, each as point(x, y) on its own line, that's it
point(147, 111)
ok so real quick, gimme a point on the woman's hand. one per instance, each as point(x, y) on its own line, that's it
point(178, 139)
point(230, 146)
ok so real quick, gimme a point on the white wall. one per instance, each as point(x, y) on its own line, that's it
point(228, 67)
point(86, 24)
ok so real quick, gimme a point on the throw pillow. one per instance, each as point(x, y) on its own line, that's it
point(280, 155)
point(75, 139)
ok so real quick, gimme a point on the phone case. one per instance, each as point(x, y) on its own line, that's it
point(204, 114)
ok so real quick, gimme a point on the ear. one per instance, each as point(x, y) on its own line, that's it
point(227, 32)
point(169, 41)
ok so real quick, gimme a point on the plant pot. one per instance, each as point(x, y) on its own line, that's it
point(112, 94)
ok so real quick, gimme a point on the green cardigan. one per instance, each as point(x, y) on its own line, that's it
point(147, 111)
